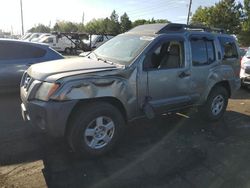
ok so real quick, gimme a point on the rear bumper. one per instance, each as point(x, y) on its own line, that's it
point(50, 116)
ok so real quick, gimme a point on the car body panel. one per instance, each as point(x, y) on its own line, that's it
point(138, 90)
point(11, 70)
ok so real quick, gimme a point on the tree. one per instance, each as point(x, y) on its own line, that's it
point(65, 26)
point(40, 28)
point(113, 24)
point(226, 14)
point(143, 21)
point(125, 23)
point(244, 35)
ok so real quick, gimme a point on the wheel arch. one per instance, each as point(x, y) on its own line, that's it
point(224, 84)
point(111, 100)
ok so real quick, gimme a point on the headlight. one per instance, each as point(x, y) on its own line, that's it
point(46, 90)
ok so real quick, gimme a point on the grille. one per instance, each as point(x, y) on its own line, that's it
point(27, 81)
point(247, 70)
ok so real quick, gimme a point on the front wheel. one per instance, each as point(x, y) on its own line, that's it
point(215, 105)
point(96, 129)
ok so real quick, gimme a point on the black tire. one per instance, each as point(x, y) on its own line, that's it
point(209, 111)
point(84, 118)
point(67, 51)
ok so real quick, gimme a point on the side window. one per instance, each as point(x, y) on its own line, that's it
point(49, 40)
point(100, 39)
point(203, 52)
point(14, 51)
point(229, 48)
point(167, 55)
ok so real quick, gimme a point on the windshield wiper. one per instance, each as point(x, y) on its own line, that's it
point(107, 61)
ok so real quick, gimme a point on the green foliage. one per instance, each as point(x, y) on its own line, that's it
point(110, 25)
point(64, 26)
point(125, 24)
point(226, 14)
point(40, 28)
point(143, 21)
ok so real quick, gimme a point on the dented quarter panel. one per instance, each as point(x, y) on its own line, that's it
point(219, 74)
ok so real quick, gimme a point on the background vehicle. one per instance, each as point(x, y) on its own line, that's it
point(245, 69)
point(243, 51)
point(60, 44)
point(95, 41)
point(150, 70)
point(16, 56)
point(40, 37)
point(32, 36)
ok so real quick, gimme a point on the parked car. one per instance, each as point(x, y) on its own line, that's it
point(40, 37)
point(243, 51)
point(60, 44)
point(150, 70)
point(95, 41)
point(16, 56)
point(245, 69)
point(26, 36)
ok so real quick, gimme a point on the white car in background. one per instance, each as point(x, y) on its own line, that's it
point(60, 44)
point(40, 37)
point(95, 41)
point(245, 69)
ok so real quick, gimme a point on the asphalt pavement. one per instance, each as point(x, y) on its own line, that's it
point(178, 150)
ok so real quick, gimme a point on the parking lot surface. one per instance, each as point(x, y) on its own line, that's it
point(178, 150)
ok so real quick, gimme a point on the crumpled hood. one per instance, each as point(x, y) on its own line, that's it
point(53, 70)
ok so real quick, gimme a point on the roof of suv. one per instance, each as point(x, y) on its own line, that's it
point(155, 29)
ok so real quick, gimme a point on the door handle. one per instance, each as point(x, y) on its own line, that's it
point(184, 74)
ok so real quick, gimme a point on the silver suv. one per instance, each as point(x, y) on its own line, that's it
point(150, 70)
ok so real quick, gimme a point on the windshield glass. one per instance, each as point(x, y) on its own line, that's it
point(123, 48)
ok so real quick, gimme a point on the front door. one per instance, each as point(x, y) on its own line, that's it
point(168, 76)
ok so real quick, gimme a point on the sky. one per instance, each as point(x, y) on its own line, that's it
point(49, 11)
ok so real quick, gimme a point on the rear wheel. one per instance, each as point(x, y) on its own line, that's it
point(67, 51)
point(215, 105)
point(95, 129)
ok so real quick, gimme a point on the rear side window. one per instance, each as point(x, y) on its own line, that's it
point(229, 49)
point(15, 50)
point(203, 52)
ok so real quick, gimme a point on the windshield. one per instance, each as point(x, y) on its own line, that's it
point(123, 48)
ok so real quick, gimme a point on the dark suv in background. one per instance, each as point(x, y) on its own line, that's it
point(149, 70)
point(16, 56)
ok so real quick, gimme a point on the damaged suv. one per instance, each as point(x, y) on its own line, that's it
point(149, 70)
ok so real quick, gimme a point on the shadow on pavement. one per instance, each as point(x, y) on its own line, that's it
point(151, 153)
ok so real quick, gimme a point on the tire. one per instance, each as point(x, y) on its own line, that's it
point(67, 51)
point(215, 105)
point(95, 129)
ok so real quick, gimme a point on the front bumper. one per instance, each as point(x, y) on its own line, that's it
point(50, 116)
point(245, 76)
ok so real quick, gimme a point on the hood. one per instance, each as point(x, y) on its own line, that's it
point(54, 70)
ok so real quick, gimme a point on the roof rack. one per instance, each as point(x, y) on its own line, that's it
point(175, 27)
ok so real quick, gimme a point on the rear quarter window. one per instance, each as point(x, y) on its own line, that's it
point(15, 50)
point(229, 49)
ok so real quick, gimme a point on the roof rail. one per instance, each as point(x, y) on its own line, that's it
point(175, 27)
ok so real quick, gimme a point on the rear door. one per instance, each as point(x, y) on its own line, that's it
point(204, 61)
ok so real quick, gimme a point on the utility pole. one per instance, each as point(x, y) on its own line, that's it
point(21, 5)
point(83, 18)
point(189, 11)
